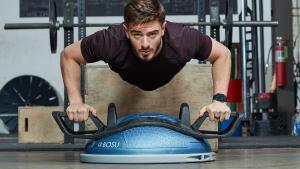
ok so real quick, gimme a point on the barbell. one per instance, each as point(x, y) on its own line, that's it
point(54, 25)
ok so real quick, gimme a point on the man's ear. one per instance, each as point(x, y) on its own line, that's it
point(126, 30)
point(163, 28)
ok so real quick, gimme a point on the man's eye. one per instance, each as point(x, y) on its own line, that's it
point(152, 35)
point(137, 35)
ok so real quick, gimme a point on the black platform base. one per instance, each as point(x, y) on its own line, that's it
point(259, 142)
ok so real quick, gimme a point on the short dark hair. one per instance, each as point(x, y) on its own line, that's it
point(142, 11)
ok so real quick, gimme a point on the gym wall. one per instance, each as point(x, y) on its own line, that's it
point(27, 52)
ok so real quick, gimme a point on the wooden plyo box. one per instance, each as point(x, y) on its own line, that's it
point(193, 85)
point(36, 125)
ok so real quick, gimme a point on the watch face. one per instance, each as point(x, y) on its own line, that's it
point(220, 97)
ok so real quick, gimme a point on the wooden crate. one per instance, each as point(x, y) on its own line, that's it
point(193, 85)
point(36, 125)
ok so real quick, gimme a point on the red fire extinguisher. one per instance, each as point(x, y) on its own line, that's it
point(280, 62)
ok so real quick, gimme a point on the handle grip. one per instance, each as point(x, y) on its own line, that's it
point(227, 132)
point(59, 118)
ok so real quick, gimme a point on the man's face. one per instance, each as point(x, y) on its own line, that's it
point(146, 39)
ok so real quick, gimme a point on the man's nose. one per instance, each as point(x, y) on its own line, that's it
point(145, 42)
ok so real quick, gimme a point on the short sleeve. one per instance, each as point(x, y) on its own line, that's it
point(198, 45)
point(101, 45)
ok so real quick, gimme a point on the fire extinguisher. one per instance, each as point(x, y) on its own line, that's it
point(280, 62)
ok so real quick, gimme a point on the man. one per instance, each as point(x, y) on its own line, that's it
point(146, 51)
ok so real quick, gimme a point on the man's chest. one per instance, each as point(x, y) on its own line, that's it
point(150, 75)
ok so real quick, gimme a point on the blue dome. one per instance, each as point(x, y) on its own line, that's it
point(148, 140)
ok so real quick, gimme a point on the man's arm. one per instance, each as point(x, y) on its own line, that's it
point(70, 60)
point(220, 58)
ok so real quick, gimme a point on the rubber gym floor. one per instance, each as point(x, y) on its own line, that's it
point(234, 153)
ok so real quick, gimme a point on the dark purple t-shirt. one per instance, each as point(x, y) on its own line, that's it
point(180, 45)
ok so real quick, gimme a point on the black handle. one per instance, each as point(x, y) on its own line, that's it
point(59, 118)
point(227, 132)
point(104, 131)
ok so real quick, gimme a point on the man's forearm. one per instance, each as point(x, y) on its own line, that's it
point(221, 73)
point(71, 76)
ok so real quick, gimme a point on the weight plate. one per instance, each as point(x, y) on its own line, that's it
point(53, 29)
point(228, 28)
point(25, 90)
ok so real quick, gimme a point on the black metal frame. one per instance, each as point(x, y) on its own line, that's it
point(81, 34)
point(215, 19)
point(201, 15)
point(68, 13)
point(285, 95)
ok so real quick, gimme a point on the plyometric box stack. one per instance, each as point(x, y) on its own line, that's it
point(193, 85)
point(36, 125)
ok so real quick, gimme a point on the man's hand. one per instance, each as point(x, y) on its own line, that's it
point(217, 111)
point(79, 112)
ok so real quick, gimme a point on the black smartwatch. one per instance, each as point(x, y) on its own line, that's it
point(220, 97)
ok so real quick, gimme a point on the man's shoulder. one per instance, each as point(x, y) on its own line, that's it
point(175, 30)
point(116, 31)
point(174, 25)
point(119, 28)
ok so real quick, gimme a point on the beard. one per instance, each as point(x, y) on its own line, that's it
point(153, 52)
